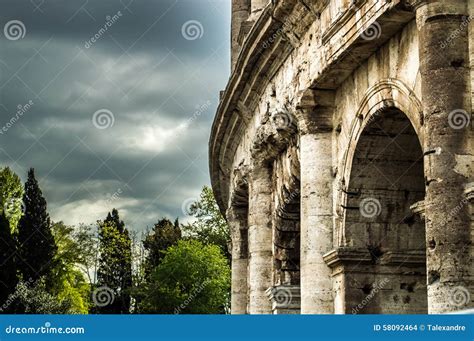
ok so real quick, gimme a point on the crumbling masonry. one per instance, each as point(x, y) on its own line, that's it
point(342, 156)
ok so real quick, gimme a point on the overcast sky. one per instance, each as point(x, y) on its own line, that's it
point(116, 117)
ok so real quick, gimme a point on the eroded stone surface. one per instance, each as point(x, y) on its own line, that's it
point(342, 151)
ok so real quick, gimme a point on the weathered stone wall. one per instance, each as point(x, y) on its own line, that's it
point(345, 88)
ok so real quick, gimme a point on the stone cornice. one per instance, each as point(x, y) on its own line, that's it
point(266, 47)
point(253, 52)
point(357, 256)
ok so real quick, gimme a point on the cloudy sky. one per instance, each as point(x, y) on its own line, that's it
point(115, 100)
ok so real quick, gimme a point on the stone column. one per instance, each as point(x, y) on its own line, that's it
point(260, 239)
point(238, 228)
point(444, 64)
point(315, 128)
point(240, 13)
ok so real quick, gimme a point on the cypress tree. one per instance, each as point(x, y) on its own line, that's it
point(115, 263)
point(8, 275)
point(36, 241)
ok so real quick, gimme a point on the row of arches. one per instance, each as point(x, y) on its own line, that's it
point(381, 267)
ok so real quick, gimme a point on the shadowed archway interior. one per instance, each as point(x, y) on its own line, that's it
point(387, 178)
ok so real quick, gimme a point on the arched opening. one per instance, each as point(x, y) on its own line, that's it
point(386, 271)
point(237, 217)
point(285, 292)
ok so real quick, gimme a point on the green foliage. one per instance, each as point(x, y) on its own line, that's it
point(33, 298)
point(38, 248)
point(68, 282)
point(163, 235)
point(11, 194)
point(210, 226)
point(8, 274)
point(86, 237)
point(192, 278)
point(115, 263)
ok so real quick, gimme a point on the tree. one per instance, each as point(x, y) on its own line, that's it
point(8, 274)
point(192, 278)
point(210, 226)
point(163, 235)
point(115, 263)
point(37, 246)
point(68, 282)
point(32, 297)
point(11, 193)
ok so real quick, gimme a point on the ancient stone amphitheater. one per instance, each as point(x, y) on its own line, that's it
point(342, 156)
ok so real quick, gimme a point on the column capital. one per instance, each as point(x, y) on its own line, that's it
point(314, 111)
point(274, 134)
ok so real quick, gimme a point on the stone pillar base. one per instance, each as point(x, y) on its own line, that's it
point(286, 299)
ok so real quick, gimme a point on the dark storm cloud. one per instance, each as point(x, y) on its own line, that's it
point(160, 86)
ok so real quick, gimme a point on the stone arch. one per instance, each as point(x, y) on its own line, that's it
point(387, 93)
point(286, 218)
point(383, 177)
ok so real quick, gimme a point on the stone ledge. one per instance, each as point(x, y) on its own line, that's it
point(286, 299)
point(349, 256)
